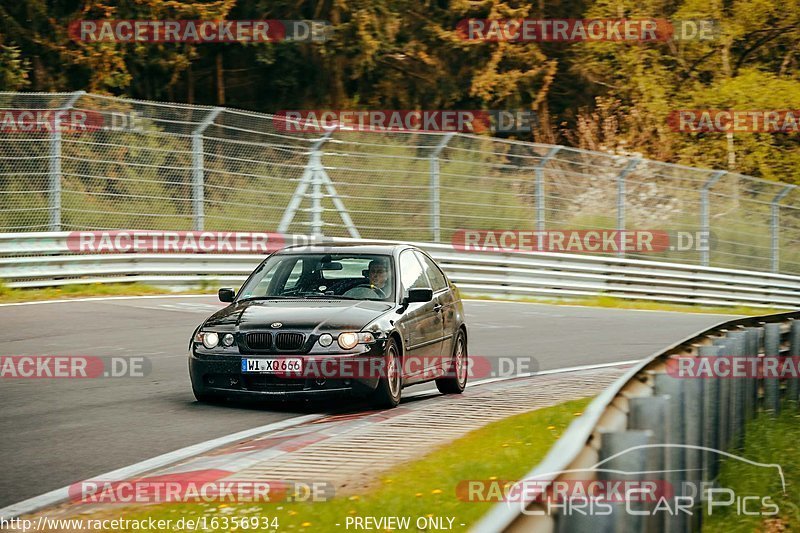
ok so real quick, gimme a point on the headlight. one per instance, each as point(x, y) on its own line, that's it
point(210, 339)
point(326, 339)
point(349, 339)
point(227, 339)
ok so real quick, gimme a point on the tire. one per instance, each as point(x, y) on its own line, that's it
point(389, 390)
point(455, 379)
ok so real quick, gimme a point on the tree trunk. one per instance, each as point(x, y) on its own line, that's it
point(189, 85)
point(220, 80)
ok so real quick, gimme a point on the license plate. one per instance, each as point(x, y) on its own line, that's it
point(272, 366)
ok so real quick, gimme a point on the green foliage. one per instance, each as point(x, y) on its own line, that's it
point(13, 69)
point(404, 54)
point(771, 441)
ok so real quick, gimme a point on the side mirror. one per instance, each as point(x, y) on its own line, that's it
point(419, 295)
point(226, 295)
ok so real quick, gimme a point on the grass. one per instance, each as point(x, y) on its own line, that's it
point(10, 295)
point(772, 441)
point(611, 302)
point(505, 450)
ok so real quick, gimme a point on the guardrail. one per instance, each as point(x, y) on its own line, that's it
point(661, 425)
point(44, 259)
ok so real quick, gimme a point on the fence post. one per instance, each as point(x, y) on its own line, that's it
point(540, 198)
point(632, 164)
point(705, 224)
point(54, 181)
point(315, 177)
point(774, 226)
point(316, 194)
point(198, 177)
point(436, 203)
point(772, 348)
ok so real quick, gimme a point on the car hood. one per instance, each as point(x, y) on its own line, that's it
point(327, 315)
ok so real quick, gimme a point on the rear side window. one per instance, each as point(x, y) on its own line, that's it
point(411, 273)
point(434, 274)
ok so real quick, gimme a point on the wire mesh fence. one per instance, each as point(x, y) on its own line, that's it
point(165, 166)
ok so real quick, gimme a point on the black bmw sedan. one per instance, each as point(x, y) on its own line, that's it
point(364, 320)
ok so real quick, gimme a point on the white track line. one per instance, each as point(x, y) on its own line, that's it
point(157, 296)
point(107, 298)
point(60, 495)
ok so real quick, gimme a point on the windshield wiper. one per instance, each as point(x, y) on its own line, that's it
point(328, 296)
point(250, 298)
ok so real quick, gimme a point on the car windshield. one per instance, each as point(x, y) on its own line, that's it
point(321, 275)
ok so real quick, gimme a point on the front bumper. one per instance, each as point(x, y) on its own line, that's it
point(222, 375)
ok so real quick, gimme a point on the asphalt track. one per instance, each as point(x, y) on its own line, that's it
point(59, 431)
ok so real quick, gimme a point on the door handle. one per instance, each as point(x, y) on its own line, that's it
point(437, 308)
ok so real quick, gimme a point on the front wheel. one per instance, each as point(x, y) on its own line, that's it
point(455, 379)
point(388, 392)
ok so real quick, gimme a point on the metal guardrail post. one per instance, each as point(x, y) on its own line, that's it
point(540, 197)
point(54, 185)
point(436, 203)
point(651, 413)
point(616, 455)
point(753, 336)
point(772, 342)
point(705, 224)
point(632, 164)
point(736, 344)
point(198, 170)
point(775, 226)
point(711, 416)
point(793, 385)
point(672, 388)
point(725, 387)
point(693, 435)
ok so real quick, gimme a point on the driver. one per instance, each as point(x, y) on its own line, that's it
point(378, 282)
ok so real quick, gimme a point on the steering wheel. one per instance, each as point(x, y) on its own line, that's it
point(376, 290)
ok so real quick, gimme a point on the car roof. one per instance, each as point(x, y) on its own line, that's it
point(355, 248)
